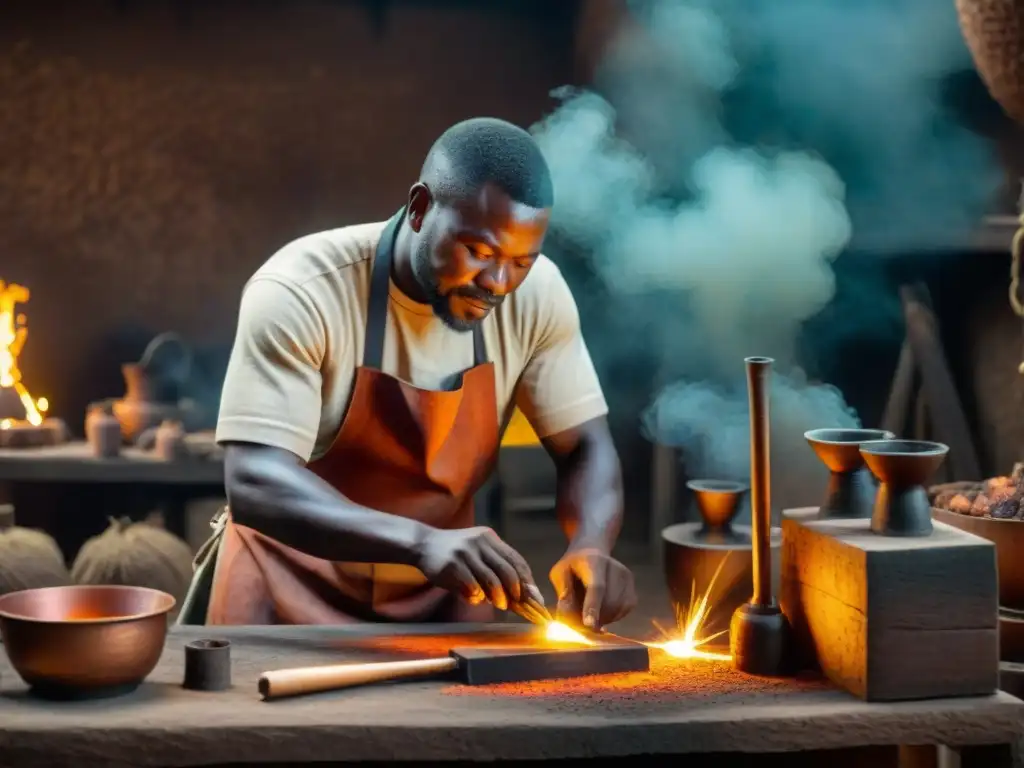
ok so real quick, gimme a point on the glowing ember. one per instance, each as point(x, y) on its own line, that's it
point(557, 632)
point(687, 641)
point(13, 333)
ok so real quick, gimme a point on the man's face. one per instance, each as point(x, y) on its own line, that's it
point(469, 255)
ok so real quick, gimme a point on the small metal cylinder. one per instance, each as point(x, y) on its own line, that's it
point(207, 665)
point(758, 375)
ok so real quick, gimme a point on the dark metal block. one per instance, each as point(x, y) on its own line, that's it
point(488, 666)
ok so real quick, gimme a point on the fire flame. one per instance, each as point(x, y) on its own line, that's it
point(689, 638)
point(13, 333)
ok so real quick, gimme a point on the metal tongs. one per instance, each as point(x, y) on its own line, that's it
point(531, 606)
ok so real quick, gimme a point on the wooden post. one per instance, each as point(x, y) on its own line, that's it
point(949, 420)
point(897, 408)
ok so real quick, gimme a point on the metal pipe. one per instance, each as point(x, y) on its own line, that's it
point(758, 375)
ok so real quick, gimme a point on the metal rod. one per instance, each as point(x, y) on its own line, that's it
point(758, 374)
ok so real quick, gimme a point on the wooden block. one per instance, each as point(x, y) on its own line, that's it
point(488, 666)
point(892, 618)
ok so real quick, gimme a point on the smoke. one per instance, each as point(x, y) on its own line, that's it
point(710, 422)
point(727, 155)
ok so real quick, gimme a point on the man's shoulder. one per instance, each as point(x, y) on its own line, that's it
point(543, 302)
point(544, 281)
point(326, 253)
point(544, 286)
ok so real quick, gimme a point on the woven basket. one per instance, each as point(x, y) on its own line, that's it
point(994, 30)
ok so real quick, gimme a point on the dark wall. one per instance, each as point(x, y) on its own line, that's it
point(150, 161)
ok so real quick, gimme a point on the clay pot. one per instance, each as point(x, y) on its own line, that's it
point(103, 431)
point(851, 488)
point(137, 411)
point(153, 386)
point(169, 442)
point(902, 467)
point(718, 501)
point(994, 31)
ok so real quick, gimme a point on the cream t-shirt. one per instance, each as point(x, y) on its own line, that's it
point(300, 337)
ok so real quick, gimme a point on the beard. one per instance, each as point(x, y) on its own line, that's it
point(428, 283)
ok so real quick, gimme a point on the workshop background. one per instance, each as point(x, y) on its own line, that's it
point(154, 154)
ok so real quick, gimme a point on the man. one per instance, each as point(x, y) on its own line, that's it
point(372, 370)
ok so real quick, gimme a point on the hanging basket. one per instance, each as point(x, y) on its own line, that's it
point(994, 30)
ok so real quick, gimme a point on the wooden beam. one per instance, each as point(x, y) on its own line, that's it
point(897, 408)
point(947, 414)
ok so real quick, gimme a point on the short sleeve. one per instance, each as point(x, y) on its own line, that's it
point(559, 388)
point(271, 392)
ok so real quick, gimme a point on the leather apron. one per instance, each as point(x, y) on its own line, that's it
point(417, 453)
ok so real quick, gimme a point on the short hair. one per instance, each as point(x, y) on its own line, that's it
point(486, 150)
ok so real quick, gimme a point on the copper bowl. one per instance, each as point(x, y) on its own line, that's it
point(84, 641)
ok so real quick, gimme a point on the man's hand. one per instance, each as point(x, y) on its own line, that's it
point(593, 588)
point(477, 564)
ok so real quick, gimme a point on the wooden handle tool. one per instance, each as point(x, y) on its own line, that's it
point(303, 680)
point(467, 666)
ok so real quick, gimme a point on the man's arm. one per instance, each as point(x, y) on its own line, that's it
point(271, 491)
point(269, 419)
point(589, 501)
point(560, 394)
point(593, 588)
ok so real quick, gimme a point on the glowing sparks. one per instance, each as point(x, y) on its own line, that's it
point(687, 641)
point(13, 333)
point(683, 649)
point(557, 632)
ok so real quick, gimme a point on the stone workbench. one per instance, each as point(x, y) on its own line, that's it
point(678, 708)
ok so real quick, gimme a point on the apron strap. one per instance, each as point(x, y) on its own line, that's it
point(380, 281)
point(479, 348)
point(377, 311)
